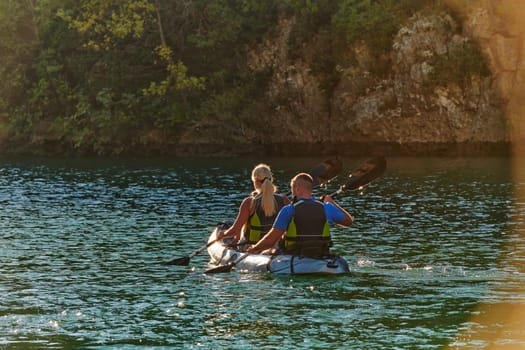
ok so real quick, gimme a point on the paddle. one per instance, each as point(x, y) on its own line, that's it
point(228, 267)
point(323, 172)
point(185, 260)
point(362, 176)
point(326, 171)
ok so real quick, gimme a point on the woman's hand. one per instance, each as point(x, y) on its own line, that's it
point(223, 234)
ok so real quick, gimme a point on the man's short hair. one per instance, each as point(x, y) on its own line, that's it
point(305, 179)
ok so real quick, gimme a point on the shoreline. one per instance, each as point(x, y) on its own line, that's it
point(348, 149)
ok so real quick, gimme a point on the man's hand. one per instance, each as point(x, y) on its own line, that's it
point(327, 199)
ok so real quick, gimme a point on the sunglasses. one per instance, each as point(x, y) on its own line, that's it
point(262, 180)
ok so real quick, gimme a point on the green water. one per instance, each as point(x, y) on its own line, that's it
point(81, 242)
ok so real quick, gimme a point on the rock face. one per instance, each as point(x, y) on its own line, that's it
point(425, 111)
point(434, 87)
point(402, 108)
point(412, 102)
point(499, 29)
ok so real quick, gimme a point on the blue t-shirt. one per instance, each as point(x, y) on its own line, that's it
point(333, 214)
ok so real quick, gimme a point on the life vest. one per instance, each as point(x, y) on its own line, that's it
point(258, 223)
point(308, 234)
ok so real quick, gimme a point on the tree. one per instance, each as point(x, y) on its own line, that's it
point(18, 38)
point(108, 24)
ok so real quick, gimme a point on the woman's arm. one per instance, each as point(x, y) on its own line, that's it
point(242, 218)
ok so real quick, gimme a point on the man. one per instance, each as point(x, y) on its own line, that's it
point(304, 223)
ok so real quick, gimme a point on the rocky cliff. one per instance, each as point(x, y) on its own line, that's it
point(498, 28)
point(454, 76)
point(427, 94)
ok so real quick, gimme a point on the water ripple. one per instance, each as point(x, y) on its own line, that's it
point(82, 241)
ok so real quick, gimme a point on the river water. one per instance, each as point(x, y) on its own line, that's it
point(81, 242)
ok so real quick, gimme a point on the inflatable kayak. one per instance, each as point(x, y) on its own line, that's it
point(222, 253)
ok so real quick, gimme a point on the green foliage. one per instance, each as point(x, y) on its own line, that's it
point(105, 23)
point(177, 71)
point(311, 17)
point(375, 21)
point(221, 26)
point(462, 61)
point(17, 41)
point(100, 76)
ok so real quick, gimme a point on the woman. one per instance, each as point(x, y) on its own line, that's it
point(258, 211)
point(304, 225)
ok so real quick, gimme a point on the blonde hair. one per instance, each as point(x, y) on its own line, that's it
point(263, 172)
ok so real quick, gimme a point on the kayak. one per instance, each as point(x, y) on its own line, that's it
point(222, 253)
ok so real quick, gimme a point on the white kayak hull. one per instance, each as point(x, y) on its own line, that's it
point(221, 254)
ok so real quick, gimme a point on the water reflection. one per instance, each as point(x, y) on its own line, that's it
point(82, 240)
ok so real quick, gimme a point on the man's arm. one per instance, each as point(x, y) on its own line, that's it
point(347, 219)
point(268, 241)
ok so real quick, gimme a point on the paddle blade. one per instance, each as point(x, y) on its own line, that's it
point(185, 261)
point(366, 173)
point(221, 268)
point(326, 170)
